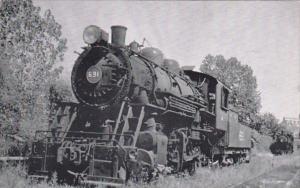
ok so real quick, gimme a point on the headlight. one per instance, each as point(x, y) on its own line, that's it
point(91, 34)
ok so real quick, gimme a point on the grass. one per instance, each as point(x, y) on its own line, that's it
point(15, 177)
point(226, 177)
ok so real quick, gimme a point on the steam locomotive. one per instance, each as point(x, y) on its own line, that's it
point(283, 143)
point(136, 119)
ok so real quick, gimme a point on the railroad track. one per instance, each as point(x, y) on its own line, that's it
point(287, 175)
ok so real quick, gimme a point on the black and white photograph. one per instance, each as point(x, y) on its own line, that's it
point(149, 94)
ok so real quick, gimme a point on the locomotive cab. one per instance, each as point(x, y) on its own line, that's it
point(216, 94)
point(207, 86)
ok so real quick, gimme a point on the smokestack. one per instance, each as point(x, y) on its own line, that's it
point(118, 35)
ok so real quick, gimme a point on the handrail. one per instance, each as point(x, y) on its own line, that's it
point(81, 132)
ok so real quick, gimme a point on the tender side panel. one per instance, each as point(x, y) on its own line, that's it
point(246, 135)
point(239, 136)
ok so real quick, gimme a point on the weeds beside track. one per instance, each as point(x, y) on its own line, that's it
point(15, 177)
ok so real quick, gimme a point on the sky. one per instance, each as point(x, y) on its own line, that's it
point(263, 35)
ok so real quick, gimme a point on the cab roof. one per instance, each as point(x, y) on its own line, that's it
point(195, 75)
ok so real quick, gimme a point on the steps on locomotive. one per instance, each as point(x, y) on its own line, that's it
point(127, 128)
point(128, 124)
point(62, 116)
point(104, 166)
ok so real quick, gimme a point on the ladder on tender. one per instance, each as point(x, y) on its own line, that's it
point(128, 124)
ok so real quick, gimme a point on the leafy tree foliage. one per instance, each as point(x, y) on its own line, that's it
point(60, 91)
point(240, 79)
point(269, 124)
point(291, 126)
point(30, 46)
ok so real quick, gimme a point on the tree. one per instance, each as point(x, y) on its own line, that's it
point(240, 79)
point(269, 124)
point(30, 47)
point(60, 91)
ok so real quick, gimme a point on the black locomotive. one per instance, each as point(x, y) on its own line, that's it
point(283, 143)
point(136, 118)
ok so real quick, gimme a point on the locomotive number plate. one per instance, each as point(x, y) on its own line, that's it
point(93, 74)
